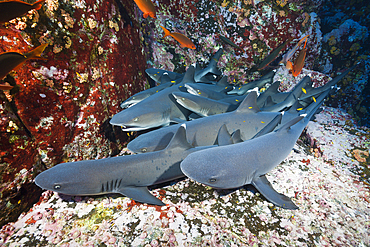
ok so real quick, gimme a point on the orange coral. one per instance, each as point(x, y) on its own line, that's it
point(306, 18)
point(359, 155)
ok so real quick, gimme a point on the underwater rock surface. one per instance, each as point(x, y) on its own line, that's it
point(96, 59)
point(332, 199)
point(60, 107)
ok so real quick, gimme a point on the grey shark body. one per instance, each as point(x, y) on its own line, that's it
point(236, 165)
point(211, 69)
point(203, 106)
point(200, 90)
point(128, 175)
point(203, 131)
point(292, 97)
point(268, 78)
point(247, 162)
point(313, 92)
point(136, 98)
point(157, 74)
point(158, 110)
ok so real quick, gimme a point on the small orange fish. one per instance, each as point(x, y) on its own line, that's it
point(291, 52)
point(182, 39)
point(14, 8)
point(147, 7)
point(14, 60)
point(5, 87)
point(297, 67)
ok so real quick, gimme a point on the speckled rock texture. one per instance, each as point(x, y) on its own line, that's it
point(323, 178)
point(59, 111)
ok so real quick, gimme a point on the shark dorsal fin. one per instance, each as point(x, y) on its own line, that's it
point(290, 123)
point(189, 75)
point(224, 137)
point(294, 108)
point(274, 87)
point(249, 104)
point(179, 139)
point(237, 136)
point(268, 101)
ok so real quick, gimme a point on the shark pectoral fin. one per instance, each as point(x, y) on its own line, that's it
point(140, 194)
point(264, 187)
point(178, 120)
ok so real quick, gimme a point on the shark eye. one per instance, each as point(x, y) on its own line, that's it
point(183, 99)
point(212, 180)
point(57, 186)
point(143, 150)
point(136, 119)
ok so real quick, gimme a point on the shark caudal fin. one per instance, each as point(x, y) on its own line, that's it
point(269, 127)
point(189, 75)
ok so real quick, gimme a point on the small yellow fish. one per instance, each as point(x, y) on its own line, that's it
point(304, 90)
point(314, 99)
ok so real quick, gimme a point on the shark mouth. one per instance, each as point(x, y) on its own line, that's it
point(132, 128)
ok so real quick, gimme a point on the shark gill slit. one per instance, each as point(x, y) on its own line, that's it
point(166, 114)
point(110, 186)
point(204, 110)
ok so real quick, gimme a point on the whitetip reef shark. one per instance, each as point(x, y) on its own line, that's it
point(203, 131)
point(129, 175)
point(236, 165)
point(159, 109)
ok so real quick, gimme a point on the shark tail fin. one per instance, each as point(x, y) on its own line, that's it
point(179, 139)
point(312, 108)
point(290, 123)
point(212, 66)
point(269, 127)
point(249, 104)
